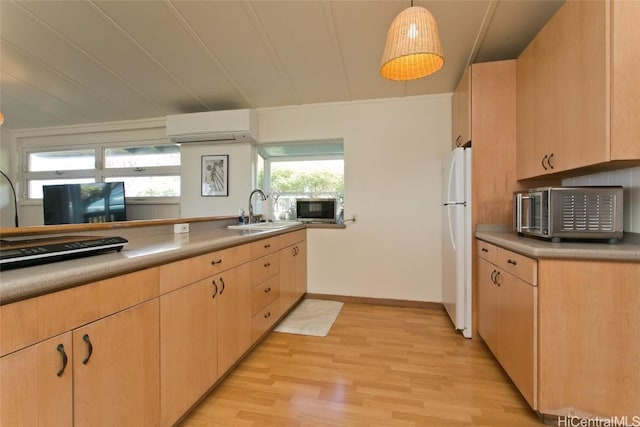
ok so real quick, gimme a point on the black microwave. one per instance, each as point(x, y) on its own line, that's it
point(316, 210)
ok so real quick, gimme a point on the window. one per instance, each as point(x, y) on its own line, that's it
point(147, 170)
point(296, 170)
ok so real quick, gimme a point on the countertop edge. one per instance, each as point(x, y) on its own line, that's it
point(137, 255)
point(626, 250)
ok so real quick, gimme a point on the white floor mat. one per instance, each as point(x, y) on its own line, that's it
point(311, 317)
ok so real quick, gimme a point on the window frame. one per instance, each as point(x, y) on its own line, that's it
point(268, 160)
point(99, 172)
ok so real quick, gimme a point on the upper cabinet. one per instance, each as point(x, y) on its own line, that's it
point(483, 112)
point(578, 91)
point(461, 111)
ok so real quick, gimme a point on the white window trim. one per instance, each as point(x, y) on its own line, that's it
point(98, 173)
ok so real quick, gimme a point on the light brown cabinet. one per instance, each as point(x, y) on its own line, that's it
point(461, 111)
point(507, 310)
point(484, 107)
point(570, 344)
point(36, 385)
point(234, 317)
point(118, 384)
point(188, 346)
point(293, 268)
point(116, 363)
point(104, 373)
point(142, 348)
point(266, 305)
point(205, 328)
point(578, 91)
point(589, 335)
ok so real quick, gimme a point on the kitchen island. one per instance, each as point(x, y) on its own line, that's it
point(137, 337)
point(562, 320)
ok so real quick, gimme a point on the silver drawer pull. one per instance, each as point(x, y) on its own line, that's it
point(267, 315)
point(266, 291)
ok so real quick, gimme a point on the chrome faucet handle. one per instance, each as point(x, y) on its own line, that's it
point(264, 197)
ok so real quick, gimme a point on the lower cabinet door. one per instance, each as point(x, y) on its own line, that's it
point(116, 364)
point(234, 317)
point(36, 385)
point(518, 334)
point(488, 305)
point(188, 346)
point(301, 268)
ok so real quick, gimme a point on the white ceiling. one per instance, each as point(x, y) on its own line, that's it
point(71, 62)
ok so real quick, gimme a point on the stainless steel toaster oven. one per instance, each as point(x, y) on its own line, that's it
point(569, 212)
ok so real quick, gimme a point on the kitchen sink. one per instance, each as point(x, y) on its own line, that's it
point(264, 226)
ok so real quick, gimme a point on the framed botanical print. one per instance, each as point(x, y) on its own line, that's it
point(215, 175)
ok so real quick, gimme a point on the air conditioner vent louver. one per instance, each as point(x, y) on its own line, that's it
point(588, 212)
point(213, 127)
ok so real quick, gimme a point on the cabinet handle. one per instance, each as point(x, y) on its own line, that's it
point(267, 315)
point(459, 141)
point(498, 276)
point(543, 160)
point(549, 161)
point(216, 262)
point(222, 282)
point(86, 339)
point(267, 264)
point(60, 348)
point(512, 262)
point(485, 250)
point(266, 291)
point(493, 276)
point(215, 288)
point(267, 246)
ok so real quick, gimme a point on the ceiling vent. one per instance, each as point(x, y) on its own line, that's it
point(213, 127)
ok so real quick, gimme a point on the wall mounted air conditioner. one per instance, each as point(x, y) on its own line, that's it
point(213, 127)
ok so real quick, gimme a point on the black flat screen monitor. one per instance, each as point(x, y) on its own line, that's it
point(84, 203)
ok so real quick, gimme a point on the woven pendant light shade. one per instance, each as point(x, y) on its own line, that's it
point(413, 47)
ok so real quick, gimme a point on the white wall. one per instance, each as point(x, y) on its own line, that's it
point(192, 203)
point(630, 179)
point(393, 150)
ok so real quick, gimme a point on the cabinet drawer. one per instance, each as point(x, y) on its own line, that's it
point(265, 267)
point(263, 294)
point(181, 273)
point(264, 247)
point(265, 319)
point(523, 267)
point(292, 238)
point(487, 251)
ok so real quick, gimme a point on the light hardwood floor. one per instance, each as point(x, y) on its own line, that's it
point(379, 366)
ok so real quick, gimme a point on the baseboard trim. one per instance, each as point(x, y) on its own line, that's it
point(377, 301)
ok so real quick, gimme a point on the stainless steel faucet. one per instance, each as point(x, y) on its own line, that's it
point(264, 197)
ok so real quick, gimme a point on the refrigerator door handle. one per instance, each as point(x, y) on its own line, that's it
point(451, 238)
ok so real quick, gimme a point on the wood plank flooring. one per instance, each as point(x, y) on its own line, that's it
point(379, 366)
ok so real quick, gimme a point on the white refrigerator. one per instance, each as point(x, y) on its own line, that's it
point(457, 238)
